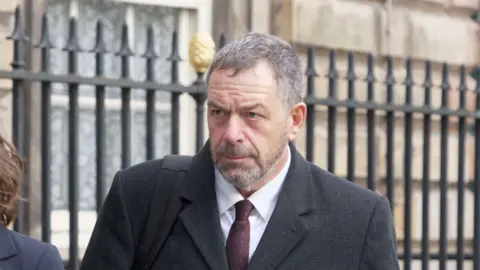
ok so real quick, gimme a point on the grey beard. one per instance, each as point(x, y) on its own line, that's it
point(248, 177)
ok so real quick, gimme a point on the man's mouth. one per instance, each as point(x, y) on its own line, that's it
point(234, 158)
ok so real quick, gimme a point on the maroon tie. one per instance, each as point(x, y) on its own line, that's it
point(238, 242)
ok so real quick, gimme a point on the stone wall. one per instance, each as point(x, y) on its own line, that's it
point(437, 30)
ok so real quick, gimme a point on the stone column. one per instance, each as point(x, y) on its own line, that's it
point(33, 125)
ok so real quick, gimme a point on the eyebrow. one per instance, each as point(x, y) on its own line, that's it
point(211, 103)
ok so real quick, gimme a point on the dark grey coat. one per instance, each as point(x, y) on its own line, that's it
point(320, 222)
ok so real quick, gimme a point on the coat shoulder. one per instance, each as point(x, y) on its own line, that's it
point(343, 192)
point(35, 254)
point(142, 171)
point(28, 245)
point(140, 178)
point(143, 177)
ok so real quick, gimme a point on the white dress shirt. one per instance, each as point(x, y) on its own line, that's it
point(263, 200)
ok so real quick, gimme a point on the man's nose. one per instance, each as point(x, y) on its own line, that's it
point(234, 131)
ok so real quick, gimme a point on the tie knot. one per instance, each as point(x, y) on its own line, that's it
point(243, 209)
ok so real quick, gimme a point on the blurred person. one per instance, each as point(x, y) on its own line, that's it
point(17, 251)
point(249, 200)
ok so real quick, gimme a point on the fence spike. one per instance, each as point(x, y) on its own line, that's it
point(476, 73)
point(72, 41)
point(476, 76)
point(370, 78)
point(99, 46)
point(445, 86)
point(150, 46)
point(332, 71)
point(462, 87)
point(174, 58)
point(408, 81)
point(45, 42)
point(18, 33)
point(428, 75)
point(409, 74)
point(463, 79)
point(19, 39)
point(351, 67)
point(125, 43)
point(311, 74)
point(222, 40)
point(390, 79)
point(175, 55)
point(310, 71)
point(445, 82)
point(332, 76)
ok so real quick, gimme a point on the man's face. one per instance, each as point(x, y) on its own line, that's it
point(248, 123)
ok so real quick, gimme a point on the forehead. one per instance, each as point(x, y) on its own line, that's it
point(258, 80)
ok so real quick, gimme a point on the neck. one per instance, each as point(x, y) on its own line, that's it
point(274, 171)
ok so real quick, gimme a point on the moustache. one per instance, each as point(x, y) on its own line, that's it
point(234, 150)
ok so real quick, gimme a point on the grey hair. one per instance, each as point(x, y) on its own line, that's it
point(244, 53)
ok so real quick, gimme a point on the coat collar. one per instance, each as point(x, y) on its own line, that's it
point(7, 246)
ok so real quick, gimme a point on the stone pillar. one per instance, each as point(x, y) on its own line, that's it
point(33, 125)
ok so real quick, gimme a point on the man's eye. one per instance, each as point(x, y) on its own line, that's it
point(253, 115)
point(216, 112)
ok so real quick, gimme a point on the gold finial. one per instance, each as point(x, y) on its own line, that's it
point(201, 52)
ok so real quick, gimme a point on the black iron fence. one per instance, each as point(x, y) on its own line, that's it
point(23, 80)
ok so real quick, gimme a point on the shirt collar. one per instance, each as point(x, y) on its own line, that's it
point(263, 200)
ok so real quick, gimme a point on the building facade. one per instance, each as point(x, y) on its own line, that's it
point(435, 30)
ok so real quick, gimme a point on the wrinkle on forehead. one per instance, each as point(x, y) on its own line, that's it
point(260, 74)
point(242, 95)
point(239, 89)
point(241, 98)
point(250, 86)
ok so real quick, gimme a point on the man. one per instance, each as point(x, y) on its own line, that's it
point(250, 199)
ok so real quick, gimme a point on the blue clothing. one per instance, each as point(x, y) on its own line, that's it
point(20, 252)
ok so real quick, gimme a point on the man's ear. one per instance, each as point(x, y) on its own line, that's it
point(298, 114)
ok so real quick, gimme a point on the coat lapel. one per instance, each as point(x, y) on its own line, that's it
point(286, 228)
point(201, 217)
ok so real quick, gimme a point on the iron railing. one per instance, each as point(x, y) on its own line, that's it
point(20, 77)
